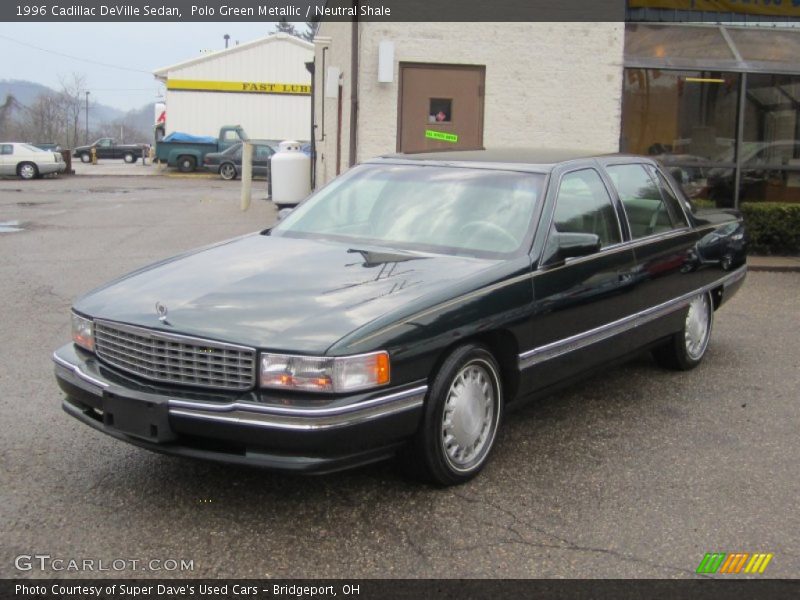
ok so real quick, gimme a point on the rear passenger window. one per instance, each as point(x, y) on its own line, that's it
point(673, 204)
point(584, 206)
point(640, 194)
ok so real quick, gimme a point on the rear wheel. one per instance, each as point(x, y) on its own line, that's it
point(186, 164)
point(27, 170)
point(227, 171)
point(686, 349)
point(463, 412)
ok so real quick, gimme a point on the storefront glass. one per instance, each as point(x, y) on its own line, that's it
point(686, 119)
point(717, 114)
point(689, 120)
point(770, 150)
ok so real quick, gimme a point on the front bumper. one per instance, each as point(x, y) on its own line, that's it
point(50, 168)
point(298, 433)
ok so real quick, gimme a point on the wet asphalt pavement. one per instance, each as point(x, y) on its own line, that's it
point(635, 473)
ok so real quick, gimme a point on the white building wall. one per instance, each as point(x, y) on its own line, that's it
point(554, 85)
point(331, 49)
point(276, 59)
point(263, 116)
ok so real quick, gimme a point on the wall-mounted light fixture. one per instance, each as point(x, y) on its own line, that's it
point(385, 62)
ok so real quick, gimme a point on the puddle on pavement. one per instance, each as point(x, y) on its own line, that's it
point(10, 226)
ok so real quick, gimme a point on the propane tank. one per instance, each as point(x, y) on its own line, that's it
point(290, 174)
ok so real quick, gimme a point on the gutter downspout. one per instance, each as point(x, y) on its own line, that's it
point(311, 68)
point(354, 86)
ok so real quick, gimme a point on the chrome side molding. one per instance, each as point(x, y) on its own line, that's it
point(558, 348)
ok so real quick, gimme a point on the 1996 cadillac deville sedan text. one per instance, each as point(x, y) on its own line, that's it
point(402, 309)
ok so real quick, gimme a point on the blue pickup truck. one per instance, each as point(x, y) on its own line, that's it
point(186, 152)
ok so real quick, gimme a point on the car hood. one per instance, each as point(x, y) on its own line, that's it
point(279, 293)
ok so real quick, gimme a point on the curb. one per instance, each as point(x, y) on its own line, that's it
point(776, 264)
point(775, 268)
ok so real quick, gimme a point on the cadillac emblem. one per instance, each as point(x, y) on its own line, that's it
point(161, 311)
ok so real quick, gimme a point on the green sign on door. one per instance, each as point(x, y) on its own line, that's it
point(441, 136)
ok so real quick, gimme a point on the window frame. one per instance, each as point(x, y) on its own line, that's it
point(551, 199)
point(645, 164)
point(654, 173)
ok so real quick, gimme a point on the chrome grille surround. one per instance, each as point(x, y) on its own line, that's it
point(172, 358)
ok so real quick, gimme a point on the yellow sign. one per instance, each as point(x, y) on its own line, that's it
point(773, 8)
point(252, 87)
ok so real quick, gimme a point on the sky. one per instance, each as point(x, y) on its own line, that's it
point(138, 47)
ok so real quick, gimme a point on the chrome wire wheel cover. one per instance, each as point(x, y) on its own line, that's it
point(698, 326)
point(470, 416)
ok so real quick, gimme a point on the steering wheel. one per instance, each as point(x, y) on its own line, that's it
point(492, 229)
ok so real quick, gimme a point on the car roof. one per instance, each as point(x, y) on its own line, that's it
point(528, 159)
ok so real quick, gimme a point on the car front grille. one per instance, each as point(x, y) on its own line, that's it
point(171, 358)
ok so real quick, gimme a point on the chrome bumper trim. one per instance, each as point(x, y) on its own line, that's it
point(558, 348)
point(76, 370)
point(355, 415)
point(252, 407)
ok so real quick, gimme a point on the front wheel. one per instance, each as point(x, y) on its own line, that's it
point(686, 349)
point(227, 171)
point(463, 412)
point(86, 157)
point(129, 157)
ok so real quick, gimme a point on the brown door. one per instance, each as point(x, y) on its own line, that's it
point(441, 107)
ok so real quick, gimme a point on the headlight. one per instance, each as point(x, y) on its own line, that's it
point(83, 332)
point(324, 374)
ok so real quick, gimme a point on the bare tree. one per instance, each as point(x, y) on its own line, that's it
point(44, 120)
point(6, 116)
point(311, 30)
point(73, 90)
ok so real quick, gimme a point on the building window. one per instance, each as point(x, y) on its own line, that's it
point(770, 151)
point(689, 113)
point(441, 110)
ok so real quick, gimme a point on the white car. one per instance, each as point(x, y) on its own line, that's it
point(27, 161)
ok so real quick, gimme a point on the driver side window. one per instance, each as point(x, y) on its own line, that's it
point(584, 206)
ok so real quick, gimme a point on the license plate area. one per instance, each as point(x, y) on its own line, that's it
point(141, 419)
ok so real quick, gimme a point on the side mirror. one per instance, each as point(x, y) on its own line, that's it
point(562, 246)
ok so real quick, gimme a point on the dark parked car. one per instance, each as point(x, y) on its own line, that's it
point(401, 309)
point(229, 162)
point(107, 148)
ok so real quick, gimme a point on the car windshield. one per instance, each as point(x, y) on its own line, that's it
point(232, 150)
point(32, 148)
point(446, 210)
